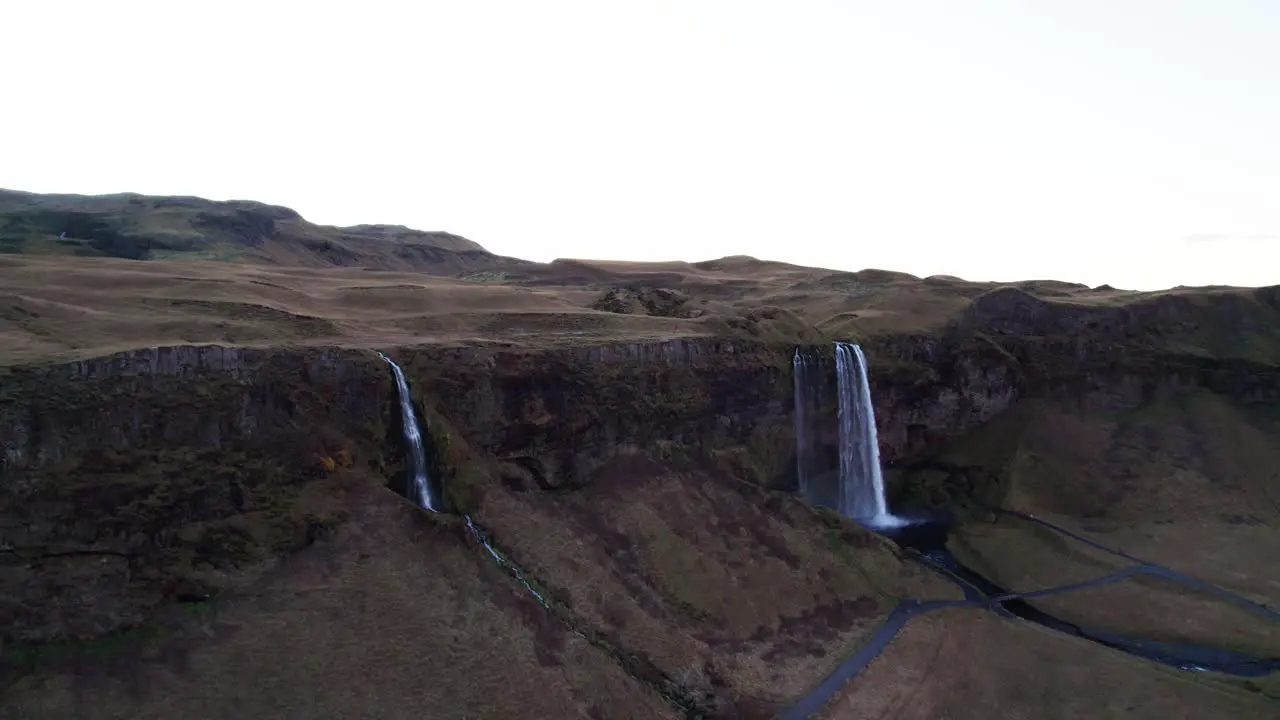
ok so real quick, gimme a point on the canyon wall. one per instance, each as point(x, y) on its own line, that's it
point(128, 480)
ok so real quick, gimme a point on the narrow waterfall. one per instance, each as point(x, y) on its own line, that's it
point(861, 483)
point(419, 483)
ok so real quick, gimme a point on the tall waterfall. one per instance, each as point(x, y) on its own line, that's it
point(419, 483)
point(861, 484)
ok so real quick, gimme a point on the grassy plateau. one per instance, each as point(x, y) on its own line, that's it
point(199, 452)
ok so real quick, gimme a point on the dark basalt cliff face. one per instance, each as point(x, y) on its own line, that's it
point(552, 417)
point(134, 479)
point(131, 480)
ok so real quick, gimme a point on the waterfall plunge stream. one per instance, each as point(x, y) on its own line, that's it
point(419, 482)
point(861, 482)
point(860, 491)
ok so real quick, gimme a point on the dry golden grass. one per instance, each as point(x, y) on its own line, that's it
point(60, 308)
point(968, 663)
point(56, 308)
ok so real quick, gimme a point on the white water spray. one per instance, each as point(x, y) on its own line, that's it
point(861, 483)
point(420, 484)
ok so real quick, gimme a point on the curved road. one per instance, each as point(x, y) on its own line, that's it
point(815, 699)
point(1151, 568)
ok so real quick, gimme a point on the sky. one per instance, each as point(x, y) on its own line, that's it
point(1128, 142)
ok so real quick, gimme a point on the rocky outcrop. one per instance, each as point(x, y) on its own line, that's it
point(927, 389)
point(658, 302)
point(202, 397)
point(554, 416)
point(558, 413)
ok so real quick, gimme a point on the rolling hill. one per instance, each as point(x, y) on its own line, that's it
point(201, 459)
point(140, 227)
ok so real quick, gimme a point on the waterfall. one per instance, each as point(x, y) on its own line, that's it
point(419, 483)
point(861, 484)
point(807, 374)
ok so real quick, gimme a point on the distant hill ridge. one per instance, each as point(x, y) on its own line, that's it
point(141, 227)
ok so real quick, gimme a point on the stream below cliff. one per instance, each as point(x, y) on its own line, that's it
point(929, 538)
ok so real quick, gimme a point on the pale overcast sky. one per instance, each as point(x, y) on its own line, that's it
point(1130, 142)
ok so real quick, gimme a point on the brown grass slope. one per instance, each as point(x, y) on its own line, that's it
point(749, 597)
point(57, 308)
point(970, 663)
point(392, 616)
point(291, 281)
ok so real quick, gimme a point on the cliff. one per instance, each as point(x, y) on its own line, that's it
point(140, 474)
point(130, 480)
